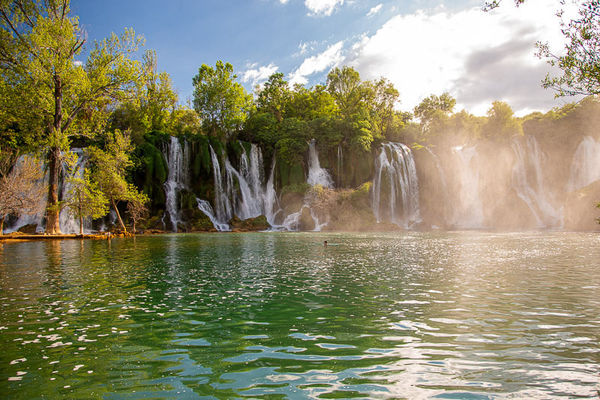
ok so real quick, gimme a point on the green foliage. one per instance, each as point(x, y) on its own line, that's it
point(221, 102)
point(433, 112)
point(301, 188)
point(501, 123)
point(85, 199)
point(274, 96)
point(110, 167)
point(39, 45)
point(580, 61)
point(346, 88)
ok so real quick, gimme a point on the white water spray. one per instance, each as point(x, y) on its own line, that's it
point(396, 187)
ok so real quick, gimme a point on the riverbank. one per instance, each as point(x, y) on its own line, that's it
point(20, 237)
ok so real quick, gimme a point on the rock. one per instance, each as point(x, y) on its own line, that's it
point(581, 213)
point(306, 221)
point(29, 229)
point(249, 225)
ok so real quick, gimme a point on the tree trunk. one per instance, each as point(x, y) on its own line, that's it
point(118, 215)
point(2, 225)
point(80, 201)
point(53, 209)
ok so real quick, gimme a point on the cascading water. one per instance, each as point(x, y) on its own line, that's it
point(177, 178)
point(271, 203)
point(30, 219)
point(468, 211)
point(68, 224)
point(316, 174)
point(395, 196)
point(223, 209)
point(585, 167)
point(207, 209)
point(241, 192)
point(528, 182)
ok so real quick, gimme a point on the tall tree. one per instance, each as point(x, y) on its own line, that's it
point(501, 123)
point(221, 102)
point(434, 109)
point(274, 96)
point(39, 44)
point(382, 96)
point(346, 88)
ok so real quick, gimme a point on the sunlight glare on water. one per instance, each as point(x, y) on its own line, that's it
point(405, 315)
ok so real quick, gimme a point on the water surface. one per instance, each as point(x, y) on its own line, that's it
point(276, 315)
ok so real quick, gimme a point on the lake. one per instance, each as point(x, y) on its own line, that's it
point(448, 315)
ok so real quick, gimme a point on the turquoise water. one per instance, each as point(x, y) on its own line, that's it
point(276, 315)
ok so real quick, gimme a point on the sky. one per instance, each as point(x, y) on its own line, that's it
point(423, 47)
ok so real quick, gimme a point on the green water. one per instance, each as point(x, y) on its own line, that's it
point(277, 315)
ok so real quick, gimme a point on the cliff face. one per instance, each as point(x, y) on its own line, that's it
point(581, 211)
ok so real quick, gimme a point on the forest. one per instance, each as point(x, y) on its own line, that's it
point(121, 114)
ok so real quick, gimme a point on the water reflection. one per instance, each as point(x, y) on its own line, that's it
point(416, 315)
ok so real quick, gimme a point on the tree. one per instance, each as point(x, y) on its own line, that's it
point(434, 111)
point(221, 102)
point(580, 63)
point(39, 45)
point(274, 96)
point(346, 88)
point(382, 97)
point(21, 189)
point(110, 166)
point(137, 208)
point(501, 123)
point(490, 5)
point(85, 199)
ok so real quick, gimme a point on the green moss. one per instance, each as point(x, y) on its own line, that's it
point(300, 188)
point(251, 224)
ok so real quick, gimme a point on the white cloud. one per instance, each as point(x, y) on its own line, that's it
point(283, 1)
point(322, 7)
point(257, 75)
point(374, 10)
point(330, 58)
point(478, 57)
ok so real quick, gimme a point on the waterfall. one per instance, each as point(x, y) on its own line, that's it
point(222, 204)
point(468, 212)
point(29, 219)
point(395, 196)
point(242, 191)
point(271, 202)
point(316, 174)
point(528, 182)
point(177, 178)
point(585, 167)
point(207, 209)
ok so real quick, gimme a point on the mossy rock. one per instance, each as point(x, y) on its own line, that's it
point(251, 224)
point(199, 222)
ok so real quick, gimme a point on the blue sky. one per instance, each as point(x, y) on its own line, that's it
point(423, 46)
